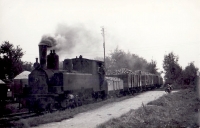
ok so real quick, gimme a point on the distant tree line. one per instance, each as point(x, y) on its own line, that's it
point(119, 59)
point(174, 73)
point(10, 61)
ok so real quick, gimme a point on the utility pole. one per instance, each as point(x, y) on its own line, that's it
point(103, 34)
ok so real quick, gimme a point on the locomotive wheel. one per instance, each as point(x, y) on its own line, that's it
point(78, 102)
point(63, 104)
point(40, 105)
point(71, 104)
point(51, 105)
point(30, 105)
point(44, 104)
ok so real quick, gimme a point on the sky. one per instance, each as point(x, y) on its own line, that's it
point(148, 28)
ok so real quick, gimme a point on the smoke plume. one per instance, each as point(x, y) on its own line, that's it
point(71, 41)
point(48, 41)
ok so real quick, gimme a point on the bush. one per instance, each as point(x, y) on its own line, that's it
point(174, 110)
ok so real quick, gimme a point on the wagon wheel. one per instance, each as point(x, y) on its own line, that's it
point(132, 92)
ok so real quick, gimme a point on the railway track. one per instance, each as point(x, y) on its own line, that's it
point(17, 116)
point(23, 115)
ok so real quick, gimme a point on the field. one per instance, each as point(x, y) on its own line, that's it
point(176, 110)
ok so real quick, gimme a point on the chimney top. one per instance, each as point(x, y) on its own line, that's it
point(45, 43)
point(36, 60)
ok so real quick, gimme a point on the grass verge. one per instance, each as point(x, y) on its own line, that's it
point(176, 110)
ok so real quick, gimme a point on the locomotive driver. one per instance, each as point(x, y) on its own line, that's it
point(101, 72)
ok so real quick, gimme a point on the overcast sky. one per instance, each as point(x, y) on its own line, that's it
point(148, 28)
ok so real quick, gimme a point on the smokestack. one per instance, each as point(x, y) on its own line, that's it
point(43, 55)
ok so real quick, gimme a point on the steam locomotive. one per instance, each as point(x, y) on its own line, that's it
point(49, 87)
point(79, 81)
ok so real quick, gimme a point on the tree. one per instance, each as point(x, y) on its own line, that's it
point(151, 67)
point(172, 68)
point(120, 59)
point(118, 56)
point(27, 66)
point(190, 74)
point(10, 60)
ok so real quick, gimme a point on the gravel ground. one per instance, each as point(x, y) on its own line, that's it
point(98, 116)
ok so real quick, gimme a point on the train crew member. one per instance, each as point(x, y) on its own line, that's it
point(101, 72)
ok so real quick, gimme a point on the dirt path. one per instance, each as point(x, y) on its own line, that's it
point(95, 117)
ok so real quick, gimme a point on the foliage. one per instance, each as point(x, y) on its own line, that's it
point(151, 67)
point(172, 69)
point(10, 60)
point(174, 72)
